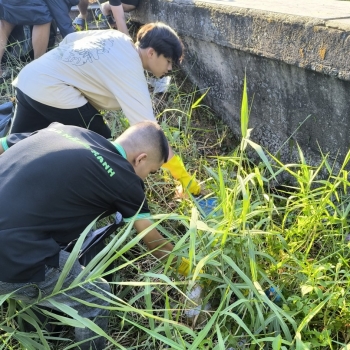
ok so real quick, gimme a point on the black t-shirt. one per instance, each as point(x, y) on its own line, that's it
point(115, 2)
point(127, 2)
point(53, 183)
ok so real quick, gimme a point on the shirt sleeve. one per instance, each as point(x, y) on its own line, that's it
point(133, 203)
point(10, 140)
point(115, 2)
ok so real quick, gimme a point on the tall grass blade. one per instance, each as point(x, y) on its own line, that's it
point(73, 256)
point(244, 109)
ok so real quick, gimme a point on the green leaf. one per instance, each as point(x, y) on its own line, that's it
point(73, 256)
point(81, 321)
point(263, 157)
point(205, 331)
point(244, 109)
point(221, 343)
point(277, 343)
point(305, 289)
point(196, 103)
point(311, 315)
point(148, 299)
point(39, 332)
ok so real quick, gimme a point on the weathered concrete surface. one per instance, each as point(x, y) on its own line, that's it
point(296, 57)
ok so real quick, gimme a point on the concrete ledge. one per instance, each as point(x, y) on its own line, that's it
point(308, 42)
point(297, 65)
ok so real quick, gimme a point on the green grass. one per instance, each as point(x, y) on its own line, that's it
point(291, 237)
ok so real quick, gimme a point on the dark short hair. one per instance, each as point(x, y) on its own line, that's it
point(147, 134)
point(157, 136)
point(162, 39)
point(164, 148)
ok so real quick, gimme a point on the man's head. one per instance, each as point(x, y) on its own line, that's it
point(146, 147)
point(160, 46)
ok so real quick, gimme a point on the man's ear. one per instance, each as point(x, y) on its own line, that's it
point(151, 52)
point(139, 159)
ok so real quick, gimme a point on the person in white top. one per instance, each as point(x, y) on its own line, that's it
point(98, 70)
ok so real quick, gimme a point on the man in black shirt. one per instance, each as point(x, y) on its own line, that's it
point(53, 183)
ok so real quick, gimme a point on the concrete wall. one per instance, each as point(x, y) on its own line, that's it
point(296, 67)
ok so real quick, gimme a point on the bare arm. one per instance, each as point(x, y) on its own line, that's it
point(171, 153)
point(162, 248)
point(154, 240)
point(1, 149)
point(118, 14)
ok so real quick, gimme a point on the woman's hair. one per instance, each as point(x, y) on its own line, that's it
point(162, 39)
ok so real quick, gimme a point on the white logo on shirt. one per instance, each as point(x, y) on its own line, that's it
point(79, 53)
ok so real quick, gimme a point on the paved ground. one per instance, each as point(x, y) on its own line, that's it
point(336, 13)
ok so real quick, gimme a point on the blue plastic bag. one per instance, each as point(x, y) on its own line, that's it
point(207, 205)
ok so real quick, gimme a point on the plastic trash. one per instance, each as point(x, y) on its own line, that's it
point(195, 295)
point(274, 295)
point(207, 205)
point(160, 85)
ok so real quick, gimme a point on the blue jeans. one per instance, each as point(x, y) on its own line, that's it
point(29, 293)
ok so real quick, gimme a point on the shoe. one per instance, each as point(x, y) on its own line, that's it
point(79, 23)
point(99, 16)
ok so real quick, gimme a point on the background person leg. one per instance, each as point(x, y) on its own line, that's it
point(40, 38)
point(5, 31)
point(83, 6)
point(80, 21)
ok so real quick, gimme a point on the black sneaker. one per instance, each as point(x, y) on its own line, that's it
point(99, 16)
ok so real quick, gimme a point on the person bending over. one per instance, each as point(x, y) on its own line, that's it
point(98, 70)
point(55, 182)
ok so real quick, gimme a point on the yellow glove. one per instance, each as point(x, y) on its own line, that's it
point(184, 267)
point(178, 171)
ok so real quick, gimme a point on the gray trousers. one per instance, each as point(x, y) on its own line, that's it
point(29, 293)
